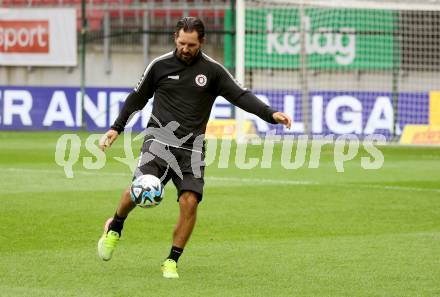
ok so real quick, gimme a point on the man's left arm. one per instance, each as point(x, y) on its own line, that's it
point(230, 89)
point(250, 103)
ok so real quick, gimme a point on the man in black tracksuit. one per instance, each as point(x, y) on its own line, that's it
point(184, 84)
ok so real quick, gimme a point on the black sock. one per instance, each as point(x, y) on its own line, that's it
point(175, 253)
point(117, 224)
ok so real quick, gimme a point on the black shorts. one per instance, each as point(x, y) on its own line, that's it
point(185, 167)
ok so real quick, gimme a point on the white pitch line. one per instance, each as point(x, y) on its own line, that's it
point(398, 188)
point(249, 181)
point(60, 171)
point(261, 180)
point(256, 181)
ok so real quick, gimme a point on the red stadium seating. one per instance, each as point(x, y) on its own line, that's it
point(95, 12)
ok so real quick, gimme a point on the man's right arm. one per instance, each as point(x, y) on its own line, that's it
point(135, 101)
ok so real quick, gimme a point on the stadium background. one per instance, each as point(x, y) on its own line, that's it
point(309, 231)
point(394, 61)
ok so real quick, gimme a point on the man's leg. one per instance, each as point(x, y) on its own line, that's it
point(188, 203)
point(187, 218)
point(112, 231)
point(125, 206)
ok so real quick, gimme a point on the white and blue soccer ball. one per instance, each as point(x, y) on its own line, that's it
point(147, 191)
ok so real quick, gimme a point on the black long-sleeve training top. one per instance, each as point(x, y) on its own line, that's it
point(185, 94)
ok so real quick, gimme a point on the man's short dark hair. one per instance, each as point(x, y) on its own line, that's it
point(190, 24)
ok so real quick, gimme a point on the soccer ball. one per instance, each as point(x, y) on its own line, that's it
point(146, 191)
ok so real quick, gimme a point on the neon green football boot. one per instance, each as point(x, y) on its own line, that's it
point(169, 269)
point(107, 243)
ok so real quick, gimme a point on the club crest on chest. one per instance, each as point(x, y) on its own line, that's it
point(201, 80)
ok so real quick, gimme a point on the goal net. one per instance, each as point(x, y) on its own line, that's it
point(343, 67)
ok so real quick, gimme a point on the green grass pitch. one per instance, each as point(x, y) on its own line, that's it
point(261, 232)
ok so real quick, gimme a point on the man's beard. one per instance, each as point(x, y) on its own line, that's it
point(186, 58)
